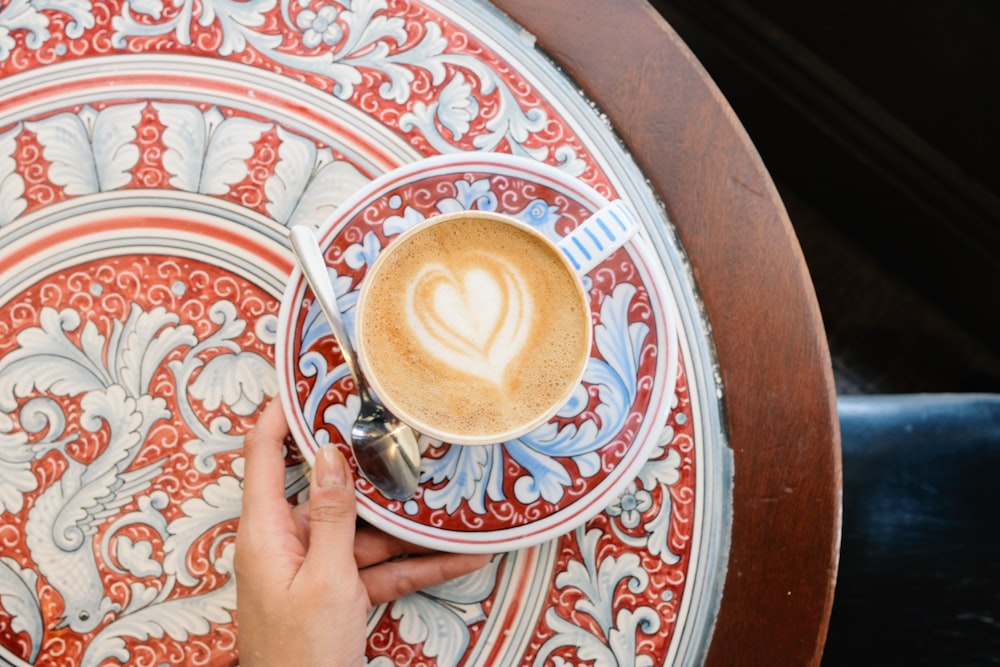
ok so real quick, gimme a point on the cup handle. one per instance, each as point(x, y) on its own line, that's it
point(599, 235)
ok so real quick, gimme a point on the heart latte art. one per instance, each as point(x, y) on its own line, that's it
point(470, 327)
point(477, 321)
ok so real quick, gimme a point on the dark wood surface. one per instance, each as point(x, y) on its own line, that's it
point(775, 365)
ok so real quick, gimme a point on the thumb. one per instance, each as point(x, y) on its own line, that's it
point(331, 508)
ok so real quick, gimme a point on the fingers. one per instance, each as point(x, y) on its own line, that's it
point(263, 527)
point(372, 546)
point(264, 472)
point(334, 546)
point(393, 579)
point(331, 511)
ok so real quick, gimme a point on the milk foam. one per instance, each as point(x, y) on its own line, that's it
point(474, 319)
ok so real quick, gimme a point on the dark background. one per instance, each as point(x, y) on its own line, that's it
point(878, 120)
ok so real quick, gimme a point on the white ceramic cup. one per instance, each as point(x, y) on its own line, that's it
point(474, 328)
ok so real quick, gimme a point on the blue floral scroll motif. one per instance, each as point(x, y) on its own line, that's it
point(631, 509)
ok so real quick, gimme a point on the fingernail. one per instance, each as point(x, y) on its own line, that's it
point(331, 468)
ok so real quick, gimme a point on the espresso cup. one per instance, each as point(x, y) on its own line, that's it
point(474, 328)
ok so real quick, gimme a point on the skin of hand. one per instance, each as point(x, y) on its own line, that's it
point(305, 576)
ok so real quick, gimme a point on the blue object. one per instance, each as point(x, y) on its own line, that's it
point(919, 575)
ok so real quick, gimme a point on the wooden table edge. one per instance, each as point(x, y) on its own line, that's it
point(760, 302)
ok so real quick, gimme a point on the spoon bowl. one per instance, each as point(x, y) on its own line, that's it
point(385, 449)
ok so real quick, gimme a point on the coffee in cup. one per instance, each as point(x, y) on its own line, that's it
point(474, 328)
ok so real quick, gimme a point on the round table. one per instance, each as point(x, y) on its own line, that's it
point(759, 301)
point(151, 163)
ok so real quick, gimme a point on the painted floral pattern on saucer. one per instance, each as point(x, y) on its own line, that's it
point(152, 157)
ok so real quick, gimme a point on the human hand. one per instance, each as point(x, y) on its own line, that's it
point(305, 578)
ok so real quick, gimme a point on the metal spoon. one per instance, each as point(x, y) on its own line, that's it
point(385, 449)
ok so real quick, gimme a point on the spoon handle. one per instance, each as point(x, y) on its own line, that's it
point(313, 266)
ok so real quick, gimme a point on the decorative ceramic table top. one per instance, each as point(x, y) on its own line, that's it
point(152, 157)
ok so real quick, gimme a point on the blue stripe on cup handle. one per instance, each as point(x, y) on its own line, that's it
point(599, 235)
